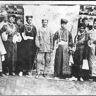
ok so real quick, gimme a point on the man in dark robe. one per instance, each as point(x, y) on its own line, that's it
point(29, 36)
point(64, 41)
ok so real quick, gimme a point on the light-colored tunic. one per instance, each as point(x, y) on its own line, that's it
point(44, 43)
point(44, 39)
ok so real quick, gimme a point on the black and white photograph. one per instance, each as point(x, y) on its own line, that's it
point(47, 48)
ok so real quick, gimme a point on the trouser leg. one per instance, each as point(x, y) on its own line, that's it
point(47, 59)
point(40, 62)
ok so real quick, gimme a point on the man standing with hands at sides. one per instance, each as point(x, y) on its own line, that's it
point(44, 43)
point(29, 35)
point(64, 42)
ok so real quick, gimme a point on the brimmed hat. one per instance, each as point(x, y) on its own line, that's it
point(64, 21)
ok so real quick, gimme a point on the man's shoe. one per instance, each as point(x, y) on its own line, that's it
point(21, 74)
point(81, 79)
point(72, 79)
point(56, 78)
point(13, 74)
point(37, 76)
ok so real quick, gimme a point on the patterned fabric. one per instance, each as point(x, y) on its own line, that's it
point(64, 40)
point(29, 49)
point(11, 48)
point(92, 56)
point(81, 53)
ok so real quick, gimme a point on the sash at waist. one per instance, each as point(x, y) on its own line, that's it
point(63, 43)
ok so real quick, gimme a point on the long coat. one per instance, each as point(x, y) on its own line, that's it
point(61, 66)
point(29, 49)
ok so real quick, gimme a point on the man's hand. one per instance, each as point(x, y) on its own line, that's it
point(74, 49)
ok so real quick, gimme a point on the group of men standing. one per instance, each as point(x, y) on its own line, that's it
point(24, 44)
point(21, 44)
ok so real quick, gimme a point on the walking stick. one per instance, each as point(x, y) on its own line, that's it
point(35, 60)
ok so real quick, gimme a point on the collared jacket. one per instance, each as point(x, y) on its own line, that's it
point(44, 40)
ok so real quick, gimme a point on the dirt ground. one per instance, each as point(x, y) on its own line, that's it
point(15, 85)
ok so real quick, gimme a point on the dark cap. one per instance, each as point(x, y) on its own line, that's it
point(64, 21)
point(82, 26)
point(94, 20)
point(85, 18)
point(29, 17)
point(19, 18)
point(12, 16)
point(44, 20)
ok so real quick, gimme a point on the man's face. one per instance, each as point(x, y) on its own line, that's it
point(11, 19)
point(44, 23)
point(94, 25)
point(63, 25)
point(86, 22)
point(18, 21)
point(29, 21)
point(82, 30)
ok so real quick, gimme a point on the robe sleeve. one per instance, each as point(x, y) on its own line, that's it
point(70, 43)
point(3, 29)
point(35, 32)
point(37, 39)
point(51, 40)
point(2, 48)
point(55, 37)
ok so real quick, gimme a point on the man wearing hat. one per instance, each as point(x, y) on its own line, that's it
point(10, 29)
point(63, 39)
point(86, 23)
point(29, 47)
point(80, 54)
point(44, 43)
point(2, 48)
